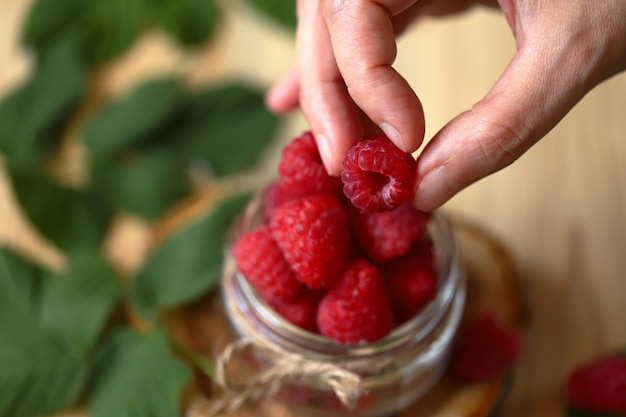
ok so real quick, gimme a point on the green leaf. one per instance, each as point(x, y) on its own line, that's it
point(32, 116)
point(137, 375)
point(105, 28)
point(133, 118)
point(48, 20)
point(20, 281)
point(188, 264)
point(78, 303)
point(69, 218)
point(146, 183)
point(40, 373)
point(228, 149)
point(280, 11)
point(189, 22)
point(228, 127)
point(111, 26)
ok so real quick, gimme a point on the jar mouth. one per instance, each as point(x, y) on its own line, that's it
point(414, 330)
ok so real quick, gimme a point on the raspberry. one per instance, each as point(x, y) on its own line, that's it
point(378, 176)
point(301, 311)
point(262, 262)
point(389, 234)
point(411, 281)
point(314, 235)
point(302, 170)
point(485, 349)
point(273, 196)
point(599, 386)
point(356, 309)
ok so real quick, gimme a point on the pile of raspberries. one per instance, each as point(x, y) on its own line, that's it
point(348, 258)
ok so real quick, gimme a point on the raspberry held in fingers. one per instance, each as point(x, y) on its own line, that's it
point(377, 175)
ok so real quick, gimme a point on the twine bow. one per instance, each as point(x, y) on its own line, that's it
point(285, 367)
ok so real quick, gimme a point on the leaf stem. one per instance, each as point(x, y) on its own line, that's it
point(204, 364)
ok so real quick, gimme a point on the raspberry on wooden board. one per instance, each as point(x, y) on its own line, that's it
point(599, 386)
point(377, 175)
point(484, 349)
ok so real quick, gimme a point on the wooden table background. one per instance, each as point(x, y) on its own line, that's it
point(559, 209)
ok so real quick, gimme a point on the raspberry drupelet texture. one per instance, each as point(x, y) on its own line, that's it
point(356, 309)
point(314, 236)
point(599, 386)
point(389, 234)
point(411, 280)
point(484, 349)
point(302, 310)
point(273, 196)
point(302, 170)
point(262, 262)
point(377, 175)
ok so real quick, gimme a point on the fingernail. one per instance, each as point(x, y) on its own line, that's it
point(433, 190)
point(323, 146)
point(393, 134)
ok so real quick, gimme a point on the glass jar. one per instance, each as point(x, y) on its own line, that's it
point(391, 373)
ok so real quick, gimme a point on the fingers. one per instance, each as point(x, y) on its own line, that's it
point(529, 99)
point(331, 113)
point(563, 53)
point(283, 97)
point(363, 40)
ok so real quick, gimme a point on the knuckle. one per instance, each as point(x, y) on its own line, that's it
point(500, 144)
point(333, 8)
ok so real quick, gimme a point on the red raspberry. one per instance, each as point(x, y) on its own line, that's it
point(262, 262)
point(273, 196)
point(356, 309)
point(599, 386)
point(377, 175)
point(389, 234)
point(411, 281)
point(314, 235)
point(301, 311)
point(302, 169)
point(485, 349)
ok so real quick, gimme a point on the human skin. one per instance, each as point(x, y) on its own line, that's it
point(347, 88)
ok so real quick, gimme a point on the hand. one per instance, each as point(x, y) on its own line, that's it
point(347, 87)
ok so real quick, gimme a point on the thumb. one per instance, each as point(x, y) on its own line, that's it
point(534, 93)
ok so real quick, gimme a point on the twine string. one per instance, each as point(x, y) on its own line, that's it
point(286, 367)
point(283, 368)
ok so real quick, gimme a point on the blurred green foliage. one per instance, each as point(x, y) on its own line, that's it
point(64, 341)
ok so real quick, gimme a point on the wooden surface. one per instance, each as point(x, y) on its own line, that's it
point(559, 210)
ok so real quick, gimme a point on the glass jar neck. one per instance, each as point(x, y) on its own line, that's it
point(253, 318)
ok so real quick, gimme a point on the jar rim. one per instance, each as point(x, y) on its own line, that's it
point(414, 330)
